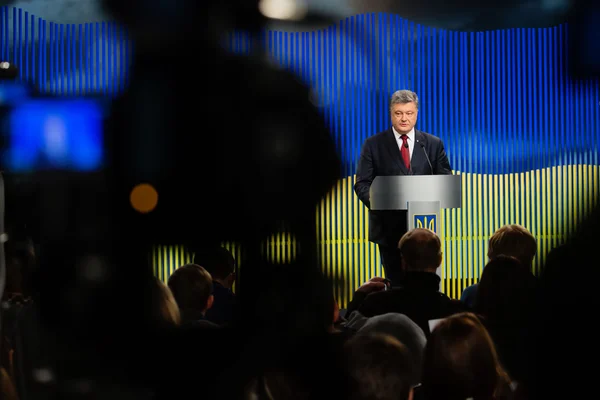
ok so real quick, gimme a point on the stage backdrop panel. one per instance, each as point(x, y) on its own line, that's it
point(519, 130)
point(66, 59)
point(521, 133)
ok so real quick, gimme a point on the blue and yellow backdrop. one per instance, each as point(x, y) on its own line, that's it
point(522, 134)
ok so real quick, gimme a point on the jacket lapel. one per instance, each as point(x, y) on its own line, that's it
point(418, 160)
point(394, 151)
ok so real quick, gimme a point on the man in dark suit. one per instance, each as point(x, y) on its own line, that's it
point(419, 296)
point(400, 150)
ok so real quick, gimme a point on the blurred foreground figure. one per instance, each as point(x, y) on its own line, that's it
point(231, 143)
point(235, 151)
point(563, 339)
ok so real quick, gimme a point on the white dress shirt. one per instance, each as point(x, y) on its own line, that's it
point(410, 140)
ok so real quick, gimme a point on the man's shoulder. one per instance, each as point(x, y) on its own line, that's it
point(468, 295)
point(202, 323)
point(377, 137)
point(222, 290)
point(470, 289)
point(430, 138)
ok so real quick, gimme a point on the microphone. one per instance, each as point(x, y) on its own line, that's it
point(426, 156)
point(409, 161)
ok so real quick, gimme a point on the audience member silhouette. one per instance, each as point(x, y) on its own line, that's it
point(191, 286)
point(419, 297)
point(505, 300)
point(461, 363)
point(380, 367)
point(403, 329)
point(510, 240)
point(219, 262)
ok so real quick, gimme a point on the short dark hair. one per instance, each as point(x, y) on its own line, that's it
point(506, 291)
point(191, 286)
point(420, 249)
point(461, 361)
point(218, 261)
point(380, 367)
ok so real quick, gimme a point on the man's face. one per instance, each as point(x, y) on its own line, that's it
point(404, 116)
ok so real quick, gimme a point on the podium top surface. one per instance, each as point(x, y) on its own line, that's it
point(394, 192)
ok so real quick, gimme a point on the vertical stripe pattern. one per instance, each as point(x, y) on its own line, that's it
point(66, 59)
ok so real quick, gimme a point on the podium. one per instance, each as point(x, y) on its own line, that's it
point(423, 196)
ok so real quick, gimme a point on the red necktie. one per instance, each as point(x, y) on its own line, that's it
point(405, 152)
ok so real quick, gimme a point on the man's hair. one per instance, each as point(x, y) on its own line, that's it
point(168, 310)
point(403, 97)
point(191, 286)
point(379, 367)
point(461, 361)
point(421, 249)
point(218, 261)
point(514, 241)
point(402, 328)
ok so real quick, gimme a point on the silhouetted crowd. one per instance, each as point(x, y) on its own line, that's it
point(405, 340)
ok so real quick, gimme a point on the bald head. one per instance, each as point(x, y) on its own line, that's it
point(421, 250)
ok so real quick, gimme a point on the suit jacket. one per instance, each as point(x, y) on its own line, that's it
point(468, 296)
point(380, 156)
point(221, 313)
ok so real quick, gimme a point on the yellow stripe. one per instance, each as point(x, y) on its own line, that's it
point(479, 231)
point(328, 231)
point(557, 186)
point(572, 198)
point(321, 236)
point(595, 182)
point(442, 234)
point(354, 261)
point(470, 229)
point(277, 247)
point(541, 182)
point(574, 202)
point(557, 212)
point(527, 199)
point(516, 196)
point(496, 212)
point(544, 183)
point(454, 245)
point(584, 176)
point(509, 190)
point(362, 235)
point(337, 234)
point(343, 234)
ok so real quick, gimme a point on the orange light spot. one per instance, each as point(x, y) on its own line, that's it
point(143, 198)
